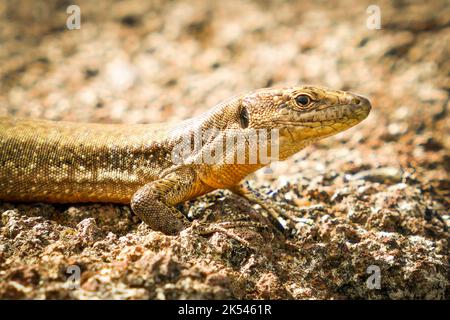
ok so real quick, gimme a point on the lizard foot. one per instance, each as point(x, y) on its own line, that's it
point(203, 227)
point(281, 214)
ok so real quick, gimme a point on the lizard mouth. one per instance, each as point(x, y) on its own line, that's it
point(357, 110)
point(328, 121)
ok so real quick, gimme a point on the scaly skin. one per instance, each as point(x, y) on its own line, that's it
point(62, 162)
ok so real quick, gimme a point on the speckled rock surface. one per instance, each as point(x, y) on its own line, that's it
point(375, 197)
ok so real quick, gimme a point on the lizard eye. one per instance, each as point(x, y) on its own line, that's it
point(243, 117)
point(302, 100)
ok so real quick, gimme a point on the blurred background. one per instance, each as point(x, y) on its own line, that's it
point(151, 61)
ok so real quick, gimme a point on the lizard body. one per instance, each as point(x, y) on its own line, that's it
point(63, 162)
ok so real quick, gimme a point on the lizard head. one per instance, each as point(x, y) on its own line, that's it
point(302, 114)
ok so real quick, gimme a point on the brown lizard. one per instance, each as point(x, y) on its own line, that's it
point(64, 162)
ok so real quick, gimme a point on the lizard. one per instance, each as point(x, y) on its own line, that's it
point(142, 165)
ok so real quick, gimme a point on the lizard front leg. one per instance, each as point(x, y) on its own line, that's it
point(154, 202)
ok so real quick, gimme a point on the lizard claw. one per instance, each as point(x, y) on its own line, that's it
point(202, 227)
point(282, 215)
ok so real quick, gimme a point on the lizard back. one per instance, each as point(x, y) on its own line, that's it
point(62, 162)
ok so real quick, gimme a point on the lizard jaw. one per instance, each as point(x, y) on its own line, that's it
point(328, 121)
